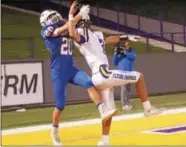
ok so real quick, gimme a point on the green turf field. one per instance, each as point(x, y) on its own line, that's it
point(20, 26)
point(84, 111)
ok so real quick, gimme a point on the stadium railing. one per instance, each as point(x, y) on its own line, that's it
point(33, 47)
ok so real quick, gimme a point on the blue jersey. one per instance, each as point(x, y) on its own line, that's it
point(60, 47)
point(63, 70)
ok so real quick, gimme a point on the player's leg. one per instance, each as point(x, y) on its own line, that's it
point(110, 78)
point(135, 77)
point(80, 78)
point(142, 92)
point(118, 78)
point(108, 99)
point(59, 86)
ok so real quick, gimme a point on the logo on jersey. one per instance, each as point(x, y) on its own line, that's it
point(124, 77)
point(104, 71)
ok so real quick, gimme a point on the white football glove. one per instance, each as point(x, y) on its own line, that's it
point(133, 38)
point(87, 17)
point(130, 37)
point(84, 12)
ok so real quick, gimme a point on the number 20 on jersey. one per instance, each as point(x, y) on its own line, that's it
point(66, 47)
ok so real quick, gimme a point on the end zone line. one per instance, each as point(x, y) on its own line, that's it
point(152, 131)
point(84, 122)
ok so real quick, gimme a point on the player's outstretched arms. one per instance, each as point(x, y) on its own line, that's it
point(84, 11)
point(53, 31)
point(112, 39)
point(72, 23)
point(61, 30)
point(116, 39)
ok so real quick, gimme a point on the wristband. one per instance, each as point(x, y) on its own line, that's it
point(70, 17)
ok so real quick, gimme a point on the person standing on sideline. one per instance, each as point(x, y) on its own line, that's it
point(123, 58)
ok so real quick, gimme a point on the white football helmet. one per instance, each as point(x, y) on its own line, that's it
point(49, 17)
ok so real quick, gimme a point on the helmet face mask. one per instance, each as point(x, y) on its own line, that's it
point(85, 23)
point(49, 17)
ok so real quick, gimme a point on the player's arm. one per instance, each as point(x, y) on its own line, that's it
point(116, 39)
point(112, 39)
point(72, 23)
point(72, 30)
point(63, 29)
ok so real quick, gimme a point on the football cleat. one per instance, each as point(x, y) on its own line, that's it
point(55, 136)
point(102, 144)
point(127, 107)
point(105, 113)
point(153, 111)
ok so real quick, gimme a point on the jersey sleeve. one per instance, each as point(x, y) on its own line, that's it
point(48, 31)
point(83, 35)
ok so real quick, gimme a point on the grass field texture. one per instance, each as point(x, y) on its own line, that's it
point(24, 29)
point(82, 111)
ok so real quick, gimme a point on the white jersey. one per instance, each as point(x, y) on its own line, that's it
point(93, 49)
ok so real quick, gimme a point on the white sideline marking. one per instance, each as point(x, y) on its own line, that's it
point(84, 122)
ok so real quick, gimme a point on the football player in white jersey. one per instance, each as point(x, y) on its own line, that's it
point(92, 45)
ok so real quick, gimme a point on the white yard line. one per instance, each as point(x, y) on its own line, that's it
point(84, 122)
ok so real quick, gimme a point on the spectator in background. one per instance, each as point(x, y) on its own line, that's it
point(123, 58)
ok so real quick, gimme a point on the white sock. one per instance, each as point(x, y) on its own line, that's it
point(106, 139)
point(146, 105)
point(101, 107)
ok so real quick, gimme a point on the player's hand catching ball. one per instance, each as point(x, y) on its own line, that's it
point(84, 12)
point(73, 7)
point(86, 17)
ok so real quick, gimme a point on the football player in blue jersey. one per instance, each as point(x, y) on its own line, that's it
point(63, 70)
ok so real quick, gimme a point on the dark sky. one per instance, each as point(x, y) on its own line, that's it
point(121, 5)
